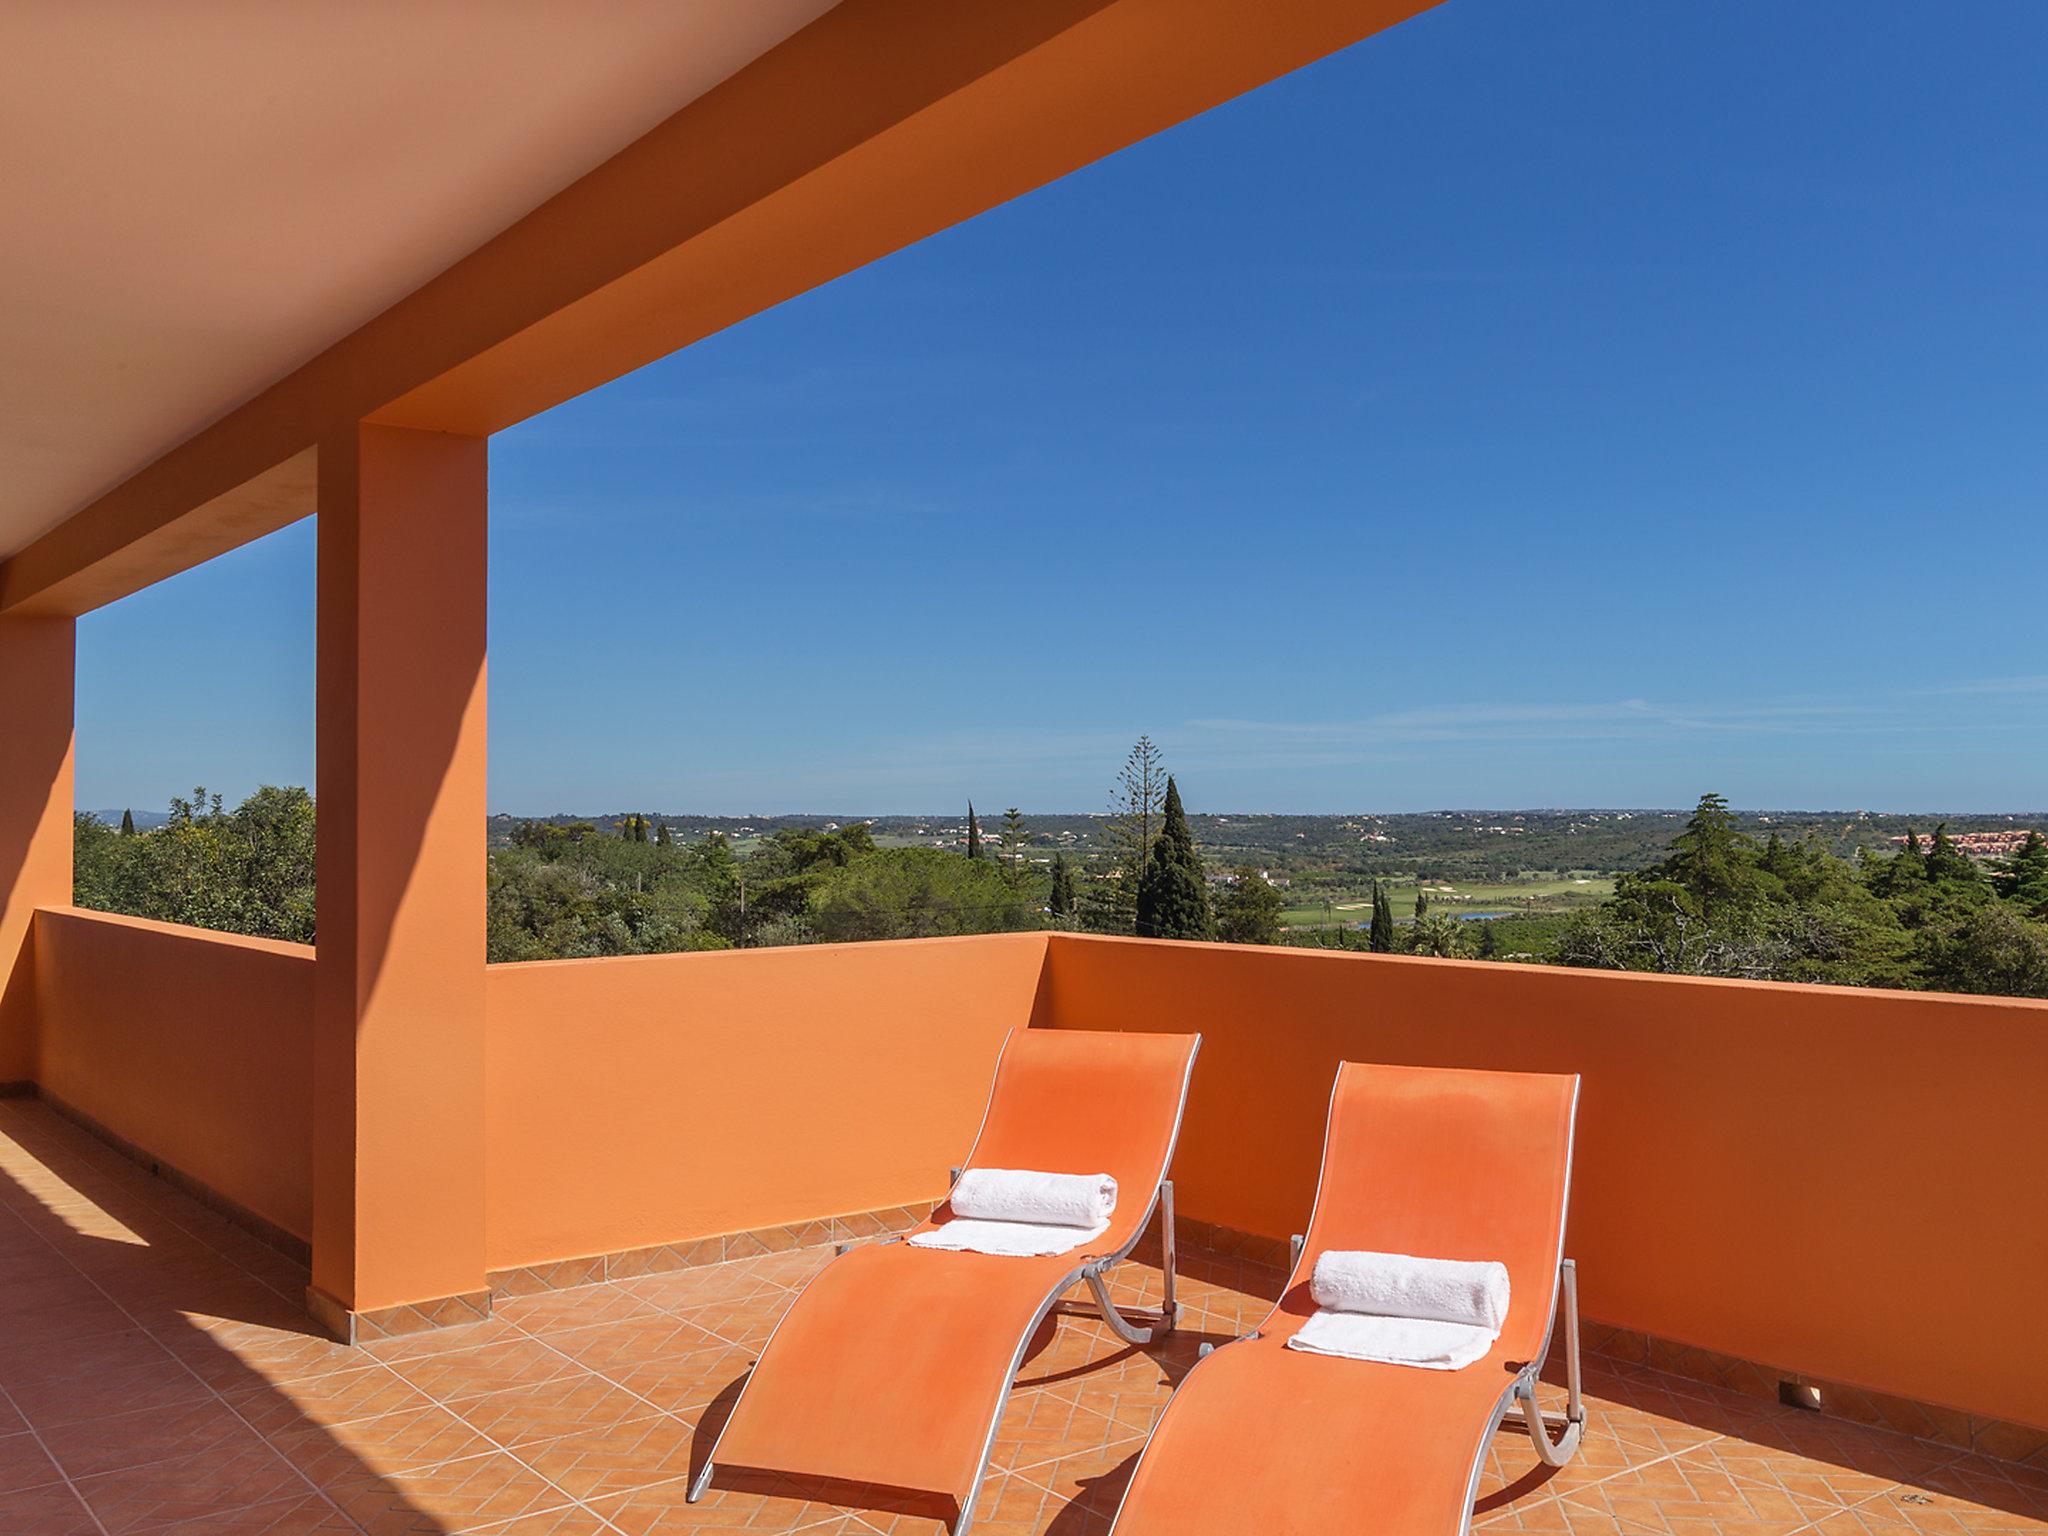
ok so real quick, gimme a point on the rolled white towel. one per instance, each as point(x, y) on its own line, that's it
point(1041, 1199)
point(1398, 1285)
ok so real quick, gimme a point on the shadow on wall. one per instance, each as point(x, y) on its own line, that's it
point(35, 813)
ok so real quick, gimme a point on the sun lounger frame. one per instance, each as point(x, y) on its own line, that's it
point(1134, 1325)
point(1519, 1397)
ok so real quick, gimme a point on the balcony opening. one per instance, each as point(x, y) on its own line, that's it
point(194, 774)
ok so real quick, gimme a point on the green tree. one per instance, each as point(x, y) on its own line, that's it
point(1903, 874)
point(128, 823)
point(1014, 838)
point(1948, 864)
point(973, 833)
point(1382, 934)
point(905, 893)
point(249, 870)
point(1421, 904)
point(1442, 936)
point(1719, 905)
point(661, 836)
point(1060, 903)
point(1111, 904)
point(1710, 858)
point(1249, 909)
point(1489, 942)
point(2024, 880)
point(1989, 949)
point(1173, 895)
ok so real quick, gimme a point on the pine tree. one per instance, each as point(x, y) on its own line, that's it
point(1013, 842)
point(1709, 858)
point(1948, 864)
point(1902, 872)
point(1489, 942)
point(973, 833)
point(2025, 879)
point(639, 829)
point(1127, 836)
point(1382, 921)
point(661, 836)
point(1250, 910)
point(1173, 896)
point(1061, 903)
point(128, 824)
point(1421, 903)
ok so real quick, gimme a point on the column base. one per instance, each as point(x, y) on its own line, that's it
point(352, 1327)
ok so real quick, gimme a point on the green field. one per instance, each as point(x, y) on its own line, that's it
point(1556, 893)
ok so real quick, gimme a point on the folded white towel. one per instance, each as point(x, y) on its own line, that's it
point(1397, 1285)
point(1012, 1239)
point(1044, 1199)
point(1424, 1342)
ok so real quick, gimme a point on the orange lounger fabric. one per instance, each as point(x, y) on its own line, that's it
point(892, 1365)
point(1437, 1163)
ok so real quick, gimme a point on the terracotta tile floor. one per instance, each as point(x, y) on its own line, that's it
point(157, 1376)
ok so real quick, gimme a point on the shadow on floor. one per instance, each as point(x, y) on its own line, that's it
point(156, 1367)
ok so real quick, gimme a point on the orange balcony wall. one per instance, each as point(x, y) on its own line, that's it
point(643, 1100)
point(194, 1047)
point(1842, 1183)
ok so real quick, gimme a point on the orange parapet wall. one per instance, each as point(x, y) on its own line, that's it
point(195, 1046)
point(1844, 1183)
point(656, 1098)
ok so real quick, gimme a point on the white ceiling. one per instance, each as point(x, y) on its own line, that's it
point(198, 197)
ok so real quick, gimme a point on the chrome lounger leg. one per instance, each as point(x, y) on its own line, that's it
point(1136, 1325)
point(1571, 1424)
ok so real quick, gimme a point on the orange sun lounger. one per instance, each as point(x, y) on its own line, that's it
point(893, 1365)
point(1435, 1163)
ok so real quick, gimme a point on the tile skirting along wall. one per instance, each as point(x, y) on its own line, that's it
point(720, 1248)
point(264, 1230)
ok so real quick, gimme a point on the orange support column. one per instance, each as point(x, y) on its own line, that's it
point(37, 668)
point(398, 1153)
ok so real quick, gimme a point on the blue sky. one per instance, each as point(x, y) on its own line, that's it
point(1577, 404)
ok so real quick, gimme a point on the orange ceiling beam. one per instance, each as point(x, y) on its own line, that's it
point(880, 123)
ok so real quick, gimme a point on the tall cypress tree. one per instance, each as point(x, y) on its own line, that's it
point(1173, 897)
point(661, 835)
point(1382, 937)
point(1061, 903)
point(973, 833)
point(127, 823)
point(1126, 840)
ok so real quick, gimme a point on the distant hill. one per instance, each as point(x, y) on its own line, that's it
point(1499, 844)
